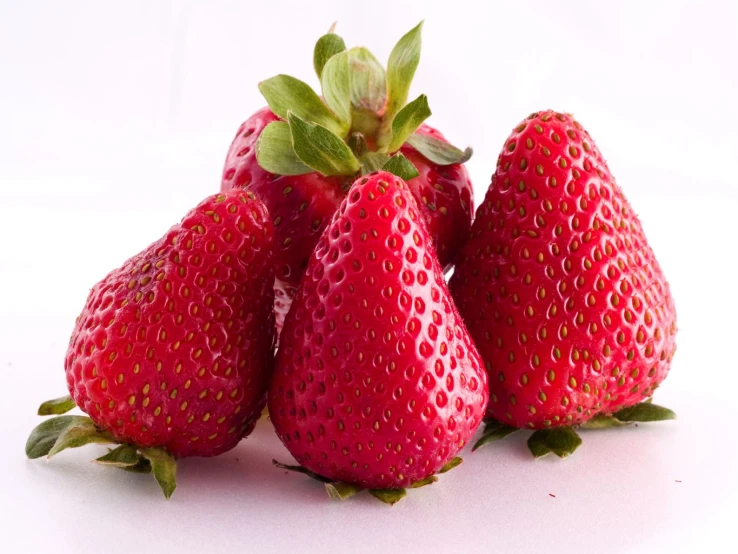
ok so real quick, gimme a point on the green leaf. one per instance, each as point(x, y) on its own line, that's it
point(335, 85)
point(123, 456)
point(79, 433)
point(438, 151)
point(562, 441)
point(327, 46)
point(402, 167)
point(602, 421)
point(286, 94)
point(43, 438)
point(494, 431)
point(57, 406)
point(452, 463)
point(367, 80)
point(403, 62)
point(407, 121)
point(164, 468)
point(373, 161)
point(303, 470)
point(423, 482)
point(320, 149)
point(388, 496)
point(341, 491)
point(645, 411)
point(275, 153)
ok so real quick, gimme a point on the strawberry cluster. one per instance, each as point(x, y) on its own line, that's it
point(313, 283)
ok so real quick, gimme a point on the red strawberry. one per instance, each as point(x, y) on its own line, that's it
point(376, 382)
point(174, 348)
point(559, 287)
point(301, 204)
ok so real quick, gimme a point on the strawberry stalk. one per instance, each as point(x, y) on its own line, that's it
point(338, 490)
point(361, 120)
point(563, 441)
point(56, 434)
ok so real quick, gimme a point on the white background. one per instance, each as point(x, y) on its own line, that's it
point(114, 120)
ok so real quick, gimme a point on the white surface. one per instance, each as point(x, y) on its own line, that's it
point(115, 120)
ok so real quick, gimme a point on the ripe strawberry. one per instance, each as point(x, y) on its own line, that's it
point(301, 204)
point(376, 381)
point(558, 286)
point(174, 348)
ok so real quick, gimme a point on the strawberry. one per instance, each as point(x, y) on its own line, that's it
point(172, 353)
point(300, 206)
point(362, 122)
point(561, 291)
point(377, 383)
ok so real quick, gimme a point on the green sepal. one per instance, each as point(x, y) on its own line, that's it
point(303, 470)
point(438, 151)
point(403, 62)
point(373, 161)
point(561, 441)
point(78, 432)
point(643, 412)
point(603, 421)
point(452, 463)
point(320, 149)
point(335, 85)
point(143, 466)
point(402, 167)
point(44, 436)
point(286, 94)
point(494, 431)
point(274, 151)
point(327, 46)
point(424, 482)
point(164, 468)
point(56, 406)
point(368, 81)
point(407, 120)
point(123, 456)
point(388, 496)
point(341, 491)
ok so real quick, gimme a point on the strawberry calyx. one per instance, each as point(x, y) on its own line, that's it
point(564, 440)
point(339, 490)
point(361, 120)
point(58, 433)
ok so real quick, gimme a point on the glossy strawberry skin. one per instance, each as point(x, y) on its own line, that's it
point(558, 286)
point(376, 380)
point(174, 348)
point(301, 206)
point(444, 195)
